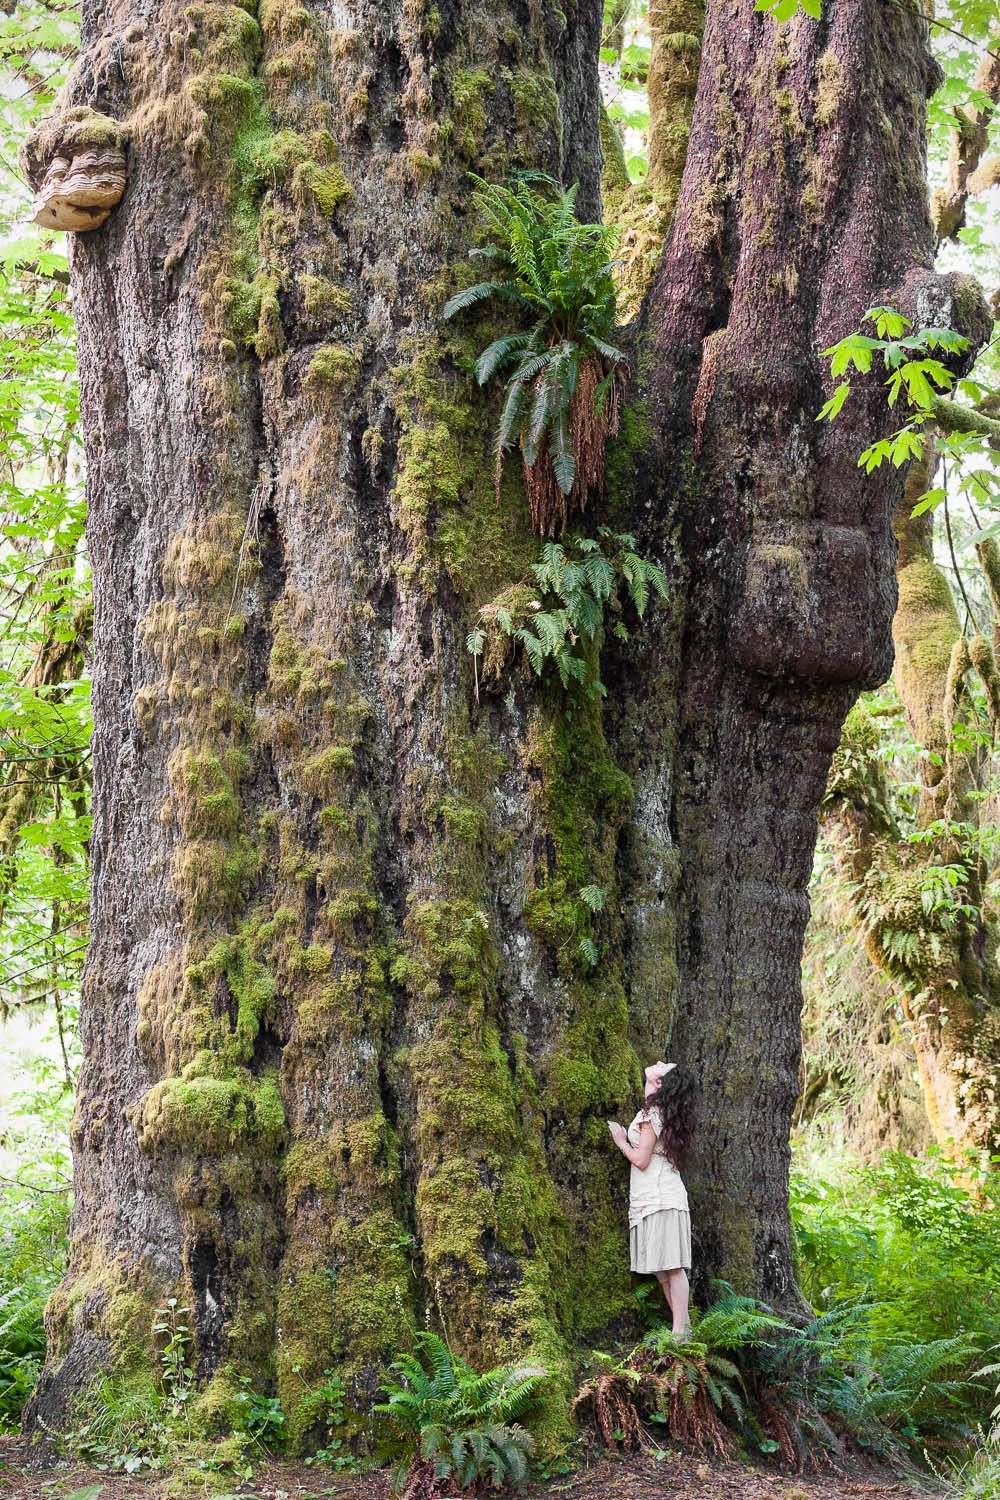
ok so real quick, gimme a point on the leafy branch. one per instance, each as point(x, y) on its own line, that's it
point(919, 379)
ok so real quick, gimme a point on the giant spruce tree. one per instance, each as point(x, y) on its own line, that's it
point(349, 1057)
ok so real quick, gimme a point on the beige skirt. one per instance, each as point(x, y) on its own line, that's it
point(661, 1241)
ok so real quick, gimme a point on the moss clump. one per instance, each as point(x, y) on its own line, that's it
point(115, 1299)
point(202, 1113)
point(323, 300)
point(925, 628)
point(322, 772)
point(463, 818)
point(469, 90)
point(444, 490)
point(214, 877)
point(204, 791)
point(223, 95)
point(536, 109)
point(327, 185)
point(310, 164)
point(232, 963)
point(348, 1297)
point(429, 476)
point(269, 336)
point(254, 312)
point(829, 88)
point(333, 367)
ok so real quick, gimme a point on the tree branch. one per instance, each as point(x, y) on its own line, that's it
point(969, 143)
point(954, 416)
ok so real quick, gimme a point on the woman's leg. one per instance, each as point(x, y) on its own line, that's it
point(676, 1291)
point(663, 1277)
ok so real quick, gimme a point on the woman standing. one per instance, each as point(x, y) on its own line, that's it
point(657, 1144)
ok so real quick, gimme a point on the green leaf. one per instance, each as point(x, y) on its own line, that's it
point(929, 500)
point(587, 949)
point(831, 408)
point(473, 294)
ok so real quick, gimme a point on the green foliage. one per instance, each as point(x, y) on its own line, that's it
point(559, 619)
point(786, 10)
point(817, 1387)
point(33, 1224)
point(920, 382)
point(689, 1387)
point(556, 273)
point(903, 1267)
point(328, 1412)
point(44, 580)
point(123, 1427)
point(178, 1376)
point(462, 1425)
point(851, 1376)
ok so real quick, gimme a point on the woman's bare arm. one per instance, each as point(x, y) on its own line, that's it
point(641, 1155)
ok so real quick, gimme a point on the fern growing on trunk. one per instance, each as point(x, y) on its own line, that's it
point(565, 379)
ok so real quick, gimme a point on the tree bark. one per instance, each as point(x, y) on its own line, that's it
point(345, 1069)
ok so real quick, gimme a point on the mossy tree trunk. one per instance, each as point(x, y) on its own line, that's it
point(938, 947)
point(345, 1066)
point(795, 214)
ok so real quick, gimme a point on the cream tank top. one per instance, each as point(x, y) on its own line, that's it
point(660, 1185)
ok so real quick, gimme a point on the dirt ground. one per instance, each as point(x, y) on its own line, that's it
point(677, 1476)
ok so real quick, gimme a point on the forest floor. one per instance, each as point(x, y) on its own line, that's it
point(678, 1476)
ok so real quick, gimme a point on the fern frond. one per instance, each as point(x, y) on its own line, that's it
point(473, 294)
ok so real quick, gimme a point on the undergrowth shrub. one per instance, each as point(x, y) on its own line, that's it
point(33, 1228)
point(809, 1394)
point(560, 614)
point(917, 1244)
point(688, 1387)
point(449, 1427)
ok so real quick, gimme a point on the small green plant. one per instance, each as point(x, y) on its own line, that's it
point(178, 1377)
point(453, 1427)
point(262, 1418)
point(919, 380)
point(558, 618)
point(907, 375)
point(123, 1427)
point(328, 1414)
point(564, 376)
point(33, 1223)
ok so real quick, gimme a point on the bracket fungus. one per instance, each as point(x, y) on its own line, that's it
point(75, 161)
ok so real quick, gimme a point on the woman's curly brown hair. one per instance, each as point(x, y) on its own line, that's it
point(677, 1101)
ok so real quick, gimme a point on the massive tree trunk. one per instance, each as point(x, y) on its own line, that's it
point(345, 1068)
point(794, 215)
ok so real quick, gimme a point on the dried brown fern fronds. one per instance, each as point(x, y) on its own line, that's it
point(691, 1385)
point(612, 1401)
point(561, 476)
point(421, 1482)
